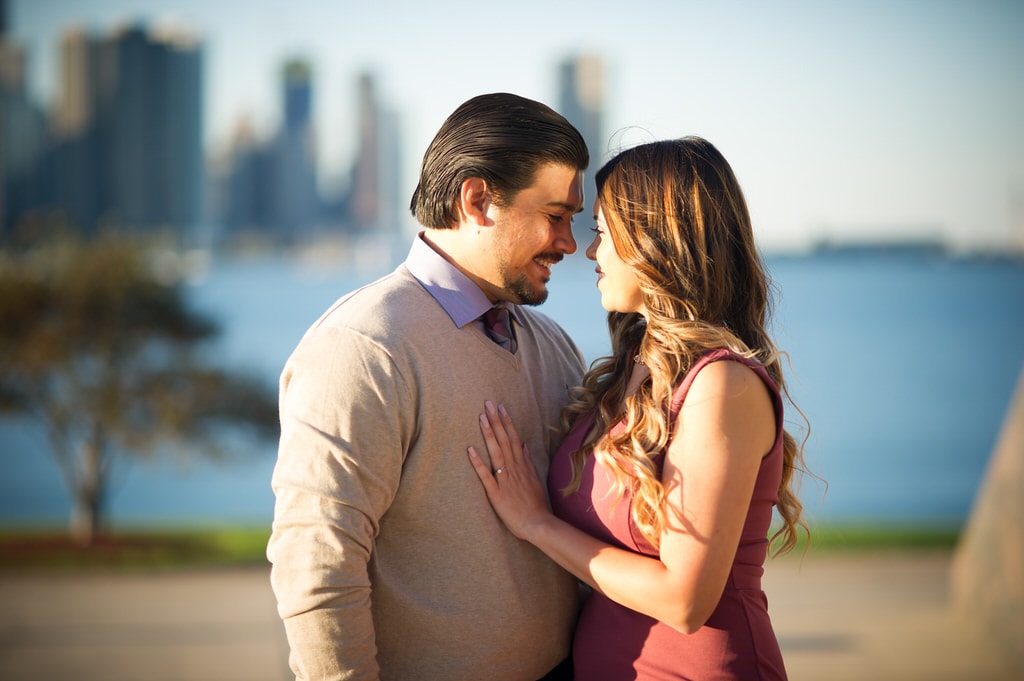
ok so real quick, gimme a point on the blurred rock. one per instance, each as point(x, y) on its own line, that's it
point(987, 573)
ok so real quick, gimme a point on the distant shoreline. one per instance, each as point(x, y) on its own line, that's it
point(900, 249)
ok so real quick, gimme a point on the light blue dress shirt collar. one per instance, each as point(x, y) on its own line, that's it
point(456, 293)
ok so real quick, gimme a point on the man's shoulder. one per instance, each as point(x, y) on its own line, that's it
point(385, 303)
point(376, 318)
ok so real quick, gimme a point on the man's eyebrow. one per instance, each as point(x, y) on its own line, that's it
point(566, 206)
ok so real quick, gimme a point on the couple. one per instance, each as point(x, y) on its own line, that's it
point(647, 481)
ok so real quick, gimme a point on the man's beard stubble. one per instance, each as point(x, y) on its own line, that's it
point(524, 293)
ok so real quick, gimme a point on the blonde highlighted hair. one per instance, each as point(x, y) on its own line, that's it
point(677, 216)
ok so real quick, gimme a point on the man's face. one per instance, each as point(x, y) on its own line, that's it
point(534, 233)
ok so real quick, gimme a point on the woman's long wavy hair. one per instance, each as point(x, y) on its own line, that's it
point(677, 216)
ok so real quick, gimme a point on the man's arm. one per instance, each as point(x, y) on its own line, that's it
point(338, 469)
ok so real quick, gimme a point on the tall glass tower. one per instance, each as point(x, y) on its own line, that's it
point(128, 131)
point(296, 205)
point(581, 101)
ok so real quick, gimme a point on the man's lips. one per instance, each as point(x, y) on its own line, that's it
point(547, 261)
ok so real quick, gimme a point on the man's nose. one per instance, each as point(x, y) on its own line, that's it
point(564, 240)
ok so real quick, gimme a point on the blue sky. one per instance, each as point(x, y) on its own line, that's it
point(842, 120)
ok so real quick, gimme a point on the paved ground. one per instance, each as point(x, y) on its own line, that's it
point(883, 617)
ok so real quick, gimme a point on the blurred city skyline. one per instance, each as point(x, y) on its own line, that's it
point(120, 146)
point(870, 121)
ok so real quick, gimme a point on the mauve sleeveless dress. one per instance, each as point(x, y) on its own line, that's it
point(614, 643)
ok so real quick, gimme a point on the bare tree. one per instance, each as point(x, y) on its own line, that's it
point(108, 358)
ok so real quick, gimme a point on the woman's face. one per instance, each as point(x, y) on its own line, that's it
point(616, 280)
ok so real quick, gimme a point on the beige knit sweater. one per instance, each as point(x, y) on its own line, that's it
point(388, 561)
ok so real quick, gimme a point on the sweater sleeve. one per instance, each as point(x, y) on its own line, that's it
point(344, 433)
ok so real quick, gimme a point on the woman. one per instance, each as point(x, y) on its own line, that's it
point(663, 489)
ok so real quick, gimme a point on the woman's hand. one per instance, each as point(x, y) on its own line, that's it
point(513, 488)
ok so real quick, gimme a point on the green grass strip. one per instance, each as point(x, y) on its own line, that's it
point(221, 547)
point(866, 536)
point(135, 549)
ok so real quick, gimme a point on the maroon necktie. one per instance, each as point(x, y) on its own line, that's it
point(498, 324)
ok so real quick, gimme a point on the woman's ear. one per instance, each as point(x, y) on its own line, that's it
point(474, 201)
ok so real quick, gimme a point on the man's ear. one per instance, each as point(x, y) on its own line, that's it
point(474, 201)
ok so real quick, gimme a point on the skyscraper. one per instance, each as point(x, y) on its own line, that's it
point(295, 206)
point(23, 182)
point(181, 129)
point(247, 193)
point(297, 95)
point(373, 191)
point(127, 127)
point(364, 191)
point(155, 129)
point(581, 101)
point(81, 184)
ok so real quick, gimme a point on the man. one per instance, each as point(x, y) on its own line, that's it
point(388, 562)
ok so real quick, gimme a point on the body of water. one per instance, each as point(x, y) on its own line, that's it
point(903, 365)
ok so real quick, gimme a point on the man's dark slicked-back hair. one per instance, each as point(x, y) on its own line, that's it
point(503, 139)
